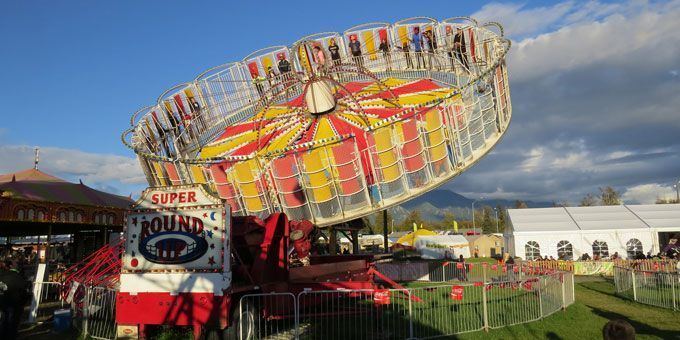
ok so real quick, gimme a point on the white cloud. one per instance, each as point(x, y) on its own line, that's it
point(648, 193)
point(649, 36)
point(519, 20)
point(533, 159)
point(103, 171)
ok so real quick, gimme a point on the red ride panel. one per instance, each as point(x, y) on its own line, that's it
point(184, 309)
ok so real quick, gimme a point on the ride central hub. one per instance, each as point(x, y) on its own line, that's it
point(319, 97)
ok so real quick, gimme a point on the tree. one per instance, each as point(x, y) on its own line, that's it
point(501, 217)
point(520, 204)
point(588, 201)
point(378, 226)
point(448, 221)
point(413, 217)
point(609, 196)
point(488, 222)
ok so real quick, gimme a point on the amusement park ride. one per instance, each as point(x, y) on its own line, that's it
point(251, 159)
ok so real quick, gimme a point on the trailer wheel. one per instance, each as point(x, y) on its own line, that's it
point(243, 323)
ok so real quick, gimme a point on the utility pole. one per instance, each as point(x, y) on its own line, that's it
point(495, 210)
point(474, 227)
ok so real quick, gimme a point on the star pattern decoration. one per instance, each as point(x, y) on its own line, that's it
point(212, 246)
point(210, 233)
point(205, 215)
point(134, 221)
point(211, 261)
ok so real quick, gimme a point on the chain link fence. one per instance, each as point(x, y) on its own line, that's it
point(417, 312)
point(656, 288)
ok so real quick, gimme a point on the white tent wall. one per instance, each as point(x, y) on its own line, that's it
point(581, 226)
point(546, 242)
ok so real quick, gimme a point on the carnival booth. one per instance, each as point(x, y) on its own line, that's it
point(438, 247)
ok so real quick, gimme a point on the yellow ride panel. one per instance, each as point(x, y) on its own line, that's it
point(435, 135)
point(369, 42)
point(160, 175)
point(197, 174)
point(245, 176)
point(387, 155)
point(319, 179)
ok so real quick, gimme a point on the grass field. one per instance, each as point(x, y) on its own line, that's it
point(595, 305)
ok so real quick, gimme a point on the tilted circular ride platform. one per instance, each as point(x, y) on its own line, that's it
point(336, 126)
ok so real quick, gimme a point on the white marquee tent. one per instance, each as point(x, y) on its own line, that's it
point(569, 232)
point(439, 246)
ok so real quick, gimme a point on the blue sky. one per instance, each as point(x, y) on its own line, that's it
point(74, 71)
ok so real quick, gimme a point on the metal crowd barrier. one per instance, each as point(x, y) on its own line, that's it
point(411, 313)
point(656, 288)
point(92, 308)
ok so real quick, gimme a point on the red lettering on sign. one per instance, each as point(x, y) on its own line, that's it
point(174, 197)
point(184, 224)
point(145, 230)
point(156, 224)
point(198, 225)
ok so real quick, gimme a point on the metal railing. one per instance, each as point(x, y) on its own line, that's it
point(92, 308)
point(410, 313)
point(656, 288)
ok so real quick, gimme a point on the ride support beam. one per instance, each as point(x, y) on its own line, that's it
point(355, 241)
point(385, 243)
point(332, 241)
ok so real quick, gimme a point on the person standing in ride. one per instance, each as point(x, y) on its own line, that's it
point(355, 48)
point(320, 60)
point(407, 54)
point(459, 48)
point(417, 40)
point(385, 48)
point(430, 46)
point(334, 50)
point(284, 66)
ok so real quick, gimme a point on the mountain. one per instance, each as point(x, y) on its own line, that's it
point(434, 204)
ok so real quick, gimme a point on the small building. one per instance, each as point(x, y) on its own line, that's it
point(487, 245)
point(442, 246)
point(600, 231)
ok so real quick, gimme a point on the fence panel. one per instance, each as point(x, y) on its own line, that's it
point(354, 314)
point(267, 316)
point(100, 312)
point(447, 310)
point(657, 288)
point(552, 298)
point(513, 302)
